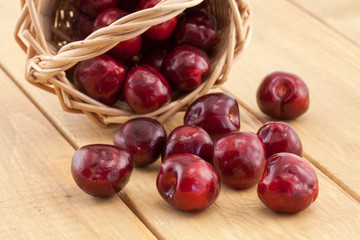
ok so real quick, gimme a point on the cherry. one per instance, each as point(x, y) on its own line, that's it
point(216, 113)
point(289, 184)
point(283, 95)
point(94, 7)
point(185, 67)
point(187, 182)
point(196, 28)
point(128, 5)
point(161, 31)
point(146, 89)
point(101, 170)
point(279, 137)
point(239, 159)
point(125, 49)
point(82, 24)
point(155, 57)
point(144, 138)
point(100, 78)
point(189, 139)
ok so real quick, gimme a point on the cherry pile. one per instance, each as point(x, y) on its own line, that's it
point(147, 70)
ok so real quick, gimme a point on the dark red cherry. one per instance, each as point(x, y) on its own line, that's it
point(185, 67)
point(289, 183)
point(198, 29)
point(128, 5)
point(154, 57)
point(94, 7)
point(283, 95)
point(101, 78)
point(82, 25)
point(187, 182)
point(125, 49)
point(189, 139)
point(146, 89)
point(160, 31)
point(280, 137)
point(216, 113)
point(101, 170)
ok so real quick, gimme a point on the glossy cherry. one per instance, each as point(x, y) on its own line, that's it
point(239, 159)
point(101, 78)
point(216, 113)
point(185, 67)
point(280, 137)
point(189, 139)
point(146, 89)
point(155, 57)
point(94, 7)
point(101, 170)
point(160, 31)
point(144, 138)
point(125, 49)
point(198, 29)
point(187, 182)
point(289, 184)
point(283, 95)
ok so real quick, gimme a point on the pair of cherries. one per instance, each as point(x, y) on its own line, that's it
point(194, 166)
point(145, 70)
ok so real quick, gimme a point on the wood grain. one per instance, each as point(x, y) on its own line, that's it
point(343, 16)
point(295, 42)
point(38, 197)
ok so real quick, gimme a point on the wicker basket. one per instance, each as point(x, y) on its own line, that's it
point(43, 32)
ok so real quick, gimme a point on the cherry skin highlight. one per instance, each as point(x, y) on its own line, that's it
point(239, 159)
point(185, 67)
point(216, 113)
point(125, 49)
point(283, 95)
point(189, 139)
point(100, 78)
point(279, 137)
point(187, 182)
point(144, 138)
point(198, 29)
point(289, 184)
point(101, 170)
point(146, 89)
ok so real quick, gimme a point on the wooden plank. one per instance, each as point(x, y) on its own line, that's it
point(343, 16)
point(287, 39)
point(236, 214)
point(39, 199)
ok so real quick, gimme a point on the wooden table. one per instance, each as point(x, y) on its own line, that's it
point(318, 40)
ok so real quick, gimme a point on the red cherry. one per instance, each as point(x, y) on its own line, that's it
point(146, 89)
point(189, 139)
point(144, 138)
point(289, 184)
point(279, 137)
point(239, 159)
point(283, 95)
point(185, 67)
point(94, 7)
point(155, 57)
point(100, 78)
point(198, 29)
point(125, 49)
point(187, 182)
point(161, 31)
point(101, 170)
point(82, 25)
point(216, 113)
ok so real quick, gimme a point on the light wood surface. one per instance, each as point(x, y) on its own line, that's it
point(35, 200)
